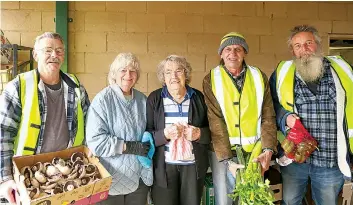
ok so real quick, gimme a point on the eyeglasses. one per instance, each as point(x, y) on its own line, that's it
point(49, 51)
point(178, 72)
point(298, 46)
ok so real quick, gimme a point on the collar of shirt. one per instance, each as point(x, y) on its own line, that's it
point(166, 94)
point(242, 72)
point(64, 77)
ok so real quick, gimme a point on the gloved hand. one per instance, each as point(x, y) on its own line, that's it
point(137, 148)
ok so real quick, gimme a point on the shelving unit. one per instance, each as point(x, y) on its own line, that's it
point(10, 70)
point(18, 65)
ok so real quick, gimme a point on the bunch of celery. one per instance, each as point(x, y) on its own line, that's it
point(250, 188)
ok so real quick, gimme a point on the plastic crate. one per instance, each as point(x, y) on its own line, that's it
point(208, 191)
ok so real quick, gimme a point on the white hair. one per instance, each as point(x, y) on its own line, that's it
point(122, 61)
point(181, 62)
point(51, 35)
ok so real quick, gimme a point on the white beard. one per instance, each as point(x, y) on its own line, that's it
point(310, 69)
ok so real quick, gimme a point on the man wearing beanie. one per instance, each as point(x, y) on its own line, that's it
point(240, 113)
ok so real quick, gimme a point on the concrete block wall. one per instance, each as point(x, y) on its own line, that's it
point(153, 30)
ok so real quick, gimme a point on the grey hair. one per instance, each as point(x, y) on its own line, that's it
point(122, 61)
point(304, 28)
point(181, 62)
point(51, 35)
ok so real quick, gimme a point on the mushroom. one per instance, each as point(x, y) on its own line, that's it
point(77, 156)
point(81, 172)
point(35, 182)
point(40, 177)
point(55, 160)
point(45, 166)
point(78, 162)
point(69, 186)
point(48, 185)
point(30, 189)
point(54, 178)
point(90, 169)
point(26, 171)
point(85, 180)
point(51, 171)
point(68, 163)
point(65, 170)
point(57, 190)
point(72, 176)
point(34, 193)
point(42, 194)
point(96, 175)
point(37, 167)
point(27, 182)
point(62, 182)
point(75, 168)
point(78, 182)
point(48, 191)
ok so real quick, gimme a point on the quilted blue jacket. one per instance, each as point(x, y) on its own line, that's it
point(112, 120)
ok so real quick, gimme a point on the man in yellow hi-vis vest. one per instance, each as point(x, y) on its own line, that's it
point(240, 112)
point(42, 110)
point(318, 91)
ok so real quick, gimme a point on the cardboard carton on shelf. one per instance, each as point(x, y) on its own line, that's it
point(87, 194)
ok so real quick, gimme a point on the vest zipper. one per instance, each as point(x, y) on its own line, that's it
point(240, 94)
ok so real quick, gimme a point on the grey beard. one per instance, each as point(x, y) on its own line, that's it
point(310, 69)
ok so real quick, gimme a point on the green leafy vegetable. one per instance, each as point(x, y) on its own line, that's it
point(250, 188)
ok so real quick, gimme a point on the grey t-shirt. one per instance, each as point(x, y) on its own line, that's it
point(56, 132)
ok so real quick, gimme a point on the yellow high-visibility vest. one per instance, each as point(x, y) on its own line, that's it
point(285, 89)
point(241, 111)
point(28, 133)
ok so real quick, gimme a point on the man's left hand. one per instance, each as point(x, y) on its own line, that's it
point(192, 133)
point(264, 159)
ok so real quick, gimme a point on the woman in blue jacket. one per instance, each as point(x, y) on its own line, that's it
point(116, 123)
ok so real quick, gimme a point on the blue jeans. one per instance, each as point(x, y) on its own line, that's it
point(223, 180)
point(326, 183)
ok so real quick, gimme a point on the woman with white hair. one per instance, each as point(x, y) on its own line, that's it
point(116, 124)
point(177, 119)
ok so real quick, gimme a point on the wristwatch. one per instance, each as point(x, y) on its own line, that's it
point(267, 149)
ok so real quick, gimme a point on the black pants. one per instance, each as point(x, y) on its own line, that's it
point(138, 197)
point(183, 187)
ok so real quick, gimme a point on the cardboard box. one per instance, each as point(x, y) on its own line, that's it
point(346, 194)
point(277, 191)
point(208, 197)
point(88, 194)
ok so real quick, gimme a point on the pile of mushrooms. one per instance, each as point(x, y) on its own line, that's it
point(61, 175)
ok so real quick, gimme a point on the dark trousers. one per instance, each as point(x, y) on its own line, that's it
point(183, 187)
point(138, 197)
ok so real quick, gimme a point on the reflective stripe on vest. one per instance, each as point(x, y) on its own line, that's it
point(80, 135)
point(285, 98)
point(345, 73)
point(242, 112)
point(26, 140)
point(30, 125)
point(285, 88)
